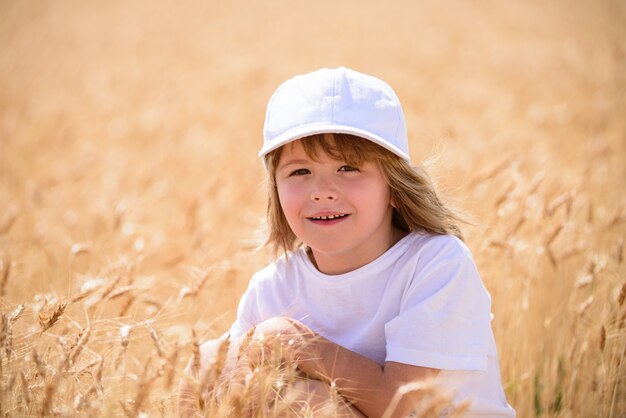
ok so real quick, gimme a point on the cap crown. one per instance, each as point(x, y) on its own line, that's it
point(336, 100)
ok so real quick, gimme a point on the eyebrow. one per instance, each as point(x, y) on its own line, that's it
point(294, 161)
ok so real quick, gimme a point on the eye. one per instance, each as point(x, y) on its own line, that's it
point(299, 172)
point(348, 168)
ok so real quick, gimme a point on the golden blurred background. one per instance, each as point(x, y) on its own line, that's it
point(129, 132)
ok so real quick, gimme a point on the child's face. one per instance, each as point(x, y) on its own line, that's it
point(342, 213)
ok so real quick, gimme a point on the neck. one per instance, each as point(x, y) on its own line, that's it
point(340, 263)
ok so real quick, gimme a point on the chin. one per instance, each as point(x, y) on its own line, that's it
point(328, 248)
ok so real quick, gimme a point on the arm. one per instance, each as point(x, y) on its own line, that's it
point(360, 380)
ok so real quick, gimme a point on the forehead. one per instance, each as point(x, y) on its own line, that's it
point(346, 148)
point(295, 152)
point(350, 149)
point(298, 147)
point(317, 151)
point(293, 147)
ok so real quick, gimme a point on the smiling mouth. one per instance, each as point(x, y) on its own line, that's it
point(328, 218)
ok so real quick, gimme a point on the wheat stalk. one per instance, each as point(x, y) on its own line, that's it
point(5, 271)
point(48, 316)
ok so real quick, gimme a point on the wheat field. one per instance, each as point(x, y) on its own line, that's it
point(132, 200)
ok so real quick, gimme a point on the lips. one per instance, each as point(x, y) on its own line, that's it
point(328, 219)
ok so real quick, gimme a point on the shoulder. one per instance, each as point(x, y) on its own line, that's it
point(430, 248)
point(283, 266)
point(445, 262)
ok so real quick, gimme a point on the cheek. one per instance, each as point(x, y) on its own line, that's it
point(373, 195)
point(289, 201)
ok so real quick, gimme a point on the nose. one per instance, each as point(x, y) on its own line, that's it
point(324, 190)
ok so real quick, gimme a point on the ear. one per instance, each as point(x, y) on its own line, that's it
point(393, 203)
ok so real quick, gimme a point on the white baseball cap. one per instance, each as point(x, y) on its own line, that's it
point(336, 100)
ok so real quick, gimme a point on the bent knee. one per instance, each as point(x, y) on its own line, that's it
point(322, 399)
point(208, 354)
point(312, 387)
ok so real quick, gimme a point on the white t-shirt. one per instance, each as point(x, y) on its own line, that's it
point(421, 303)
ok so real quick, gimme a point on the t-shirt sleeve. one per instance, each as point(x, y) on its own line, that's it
point(445, 314)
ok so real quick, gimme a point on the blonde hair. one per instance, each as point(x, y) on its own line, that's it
point(417, 205)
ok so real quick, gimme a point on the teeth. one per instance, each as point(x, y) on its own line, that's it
point(324, 218)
